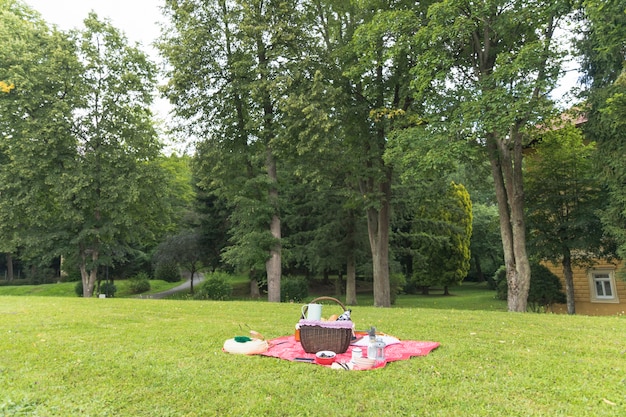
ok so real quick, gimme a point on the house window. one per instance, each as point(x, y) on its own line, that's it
point(602, 283)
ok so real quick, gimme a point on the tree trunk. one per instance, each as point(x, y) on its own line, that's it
point(379, 187)
point(273, 264)
point(193, 272)
point(510, 196)
point(569, 281)
point(378, 231)
point(88, 277)
point(351, 280)
point(9, 257)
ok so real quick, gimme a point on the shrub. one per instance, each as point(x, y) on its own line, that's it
point(167, 271)
point(501, 286)
point(293, 289)
point(545, 287)
point(139, 283)
point(215, 287)
point(108, 289)
point(78, 288)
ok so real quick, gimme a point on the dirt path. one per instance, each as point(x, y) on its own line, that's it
point(185, 286)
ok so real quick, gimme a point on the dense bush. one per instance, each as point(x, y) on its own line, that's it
point(167, 271)
point(501, 286)
point(215, 287)
point(293, 289)
point(108, 288)
point(139, 283)
point(545, 287)
point(78, 288)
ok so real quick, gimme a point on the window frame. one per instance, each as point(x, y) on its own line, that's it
point(606, 276)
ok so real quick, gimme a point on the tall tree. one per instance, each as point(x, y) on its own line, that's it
point(564, 197)
point(487, 67)
point(111, 195)
point(603, 48)
point(439, 237)
point(602, 41)
point(231, 62)
point(39, 76)
point(367, 55)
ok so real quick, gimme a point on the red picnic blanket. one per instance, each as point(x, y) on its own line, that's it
point(288, 348)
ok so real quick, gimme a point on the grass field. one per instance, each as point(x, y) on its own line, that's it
point(63, 356)
point(66, 289)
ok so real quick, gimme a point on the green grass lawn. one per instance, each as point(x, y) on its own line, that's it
point(68, 356)
point(66, 289)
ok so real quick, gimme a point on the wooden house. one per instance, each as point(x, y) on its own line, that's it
point(598, 291)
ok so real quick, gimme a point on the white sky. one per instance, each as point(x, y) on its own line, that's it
point(136, 18)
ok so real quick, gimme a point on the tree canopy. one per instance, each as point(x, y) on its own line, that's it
point(327, 134)
point(80, 178)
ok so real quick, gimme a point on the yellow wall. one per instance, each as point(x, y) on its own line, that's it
point(583, 293)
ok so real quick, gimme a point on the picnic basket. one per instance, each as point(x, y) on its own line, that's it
point(320, 335)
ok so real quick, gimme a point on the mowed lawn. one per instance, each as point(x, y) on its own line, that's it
point(68, 356)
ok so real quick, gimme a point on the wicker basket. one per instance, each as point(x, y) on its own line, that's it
point(318, 337)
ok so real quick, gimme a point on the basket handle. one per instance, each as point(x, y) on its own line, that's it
point(306, 307)
point(330, 299)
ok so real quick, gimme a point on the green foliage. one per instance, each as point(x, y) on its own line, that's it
point(238, 120)
point(167, 271)
point(108, 288)
point(545, 287)
point(77, 134)
point(216, 286)
point(35, 129)
point(139, 283)
point(486, 243)
point(602, 42)
point(294, 289)
point(445, 258)
point(607, 125)
point(397, 282)
point(486, 70)
point(78, 288)
point(186, 249)
point(563, 197)
point(71, 275)
point(40, 275)
point(500, 284)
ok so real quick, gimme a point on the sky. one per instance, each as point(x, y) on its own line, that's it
point(136, 18)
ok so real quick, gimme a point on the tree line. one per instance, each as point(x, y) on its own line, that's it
point(364, 137)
